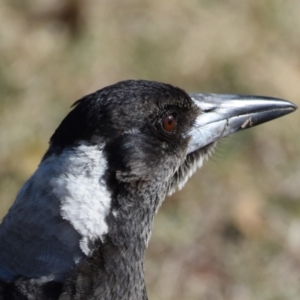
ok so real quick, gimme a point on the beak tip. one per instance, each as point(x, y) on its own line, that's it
point(294, 106)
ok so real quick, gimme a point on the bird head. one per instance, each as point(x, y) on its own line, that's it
point(154, 134)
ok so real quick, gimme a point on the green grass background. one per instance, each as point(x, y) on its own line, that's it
point(233, 232)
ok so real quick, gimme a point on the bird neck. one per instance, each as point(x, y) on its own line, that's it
point(113, 213)
point(115, 270)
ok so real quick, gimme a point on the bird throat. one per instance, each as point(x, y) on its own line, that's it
point(116, 263)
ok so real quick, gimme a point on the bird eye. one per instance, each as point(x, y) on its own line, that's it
point(169, 122)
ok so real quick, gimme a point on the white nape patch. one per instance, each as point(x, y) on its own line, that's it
point(84, 198)
point(57, 213)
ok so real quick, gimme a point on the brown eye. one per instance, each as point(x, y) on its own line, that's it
point(169, 122)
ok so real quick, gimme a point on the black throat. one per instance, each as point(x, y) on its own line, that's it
point(115, 270)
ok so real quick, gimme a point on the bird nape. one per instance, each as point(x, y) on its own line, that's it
point(80, 225)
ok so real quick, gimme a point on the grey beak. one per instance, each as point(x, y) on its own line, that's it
point(222, 115)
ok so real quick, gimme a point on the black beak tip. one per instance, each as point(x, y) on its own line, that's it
point(294, 106)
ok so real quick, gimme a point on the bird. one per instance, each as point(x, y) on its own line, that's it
point(80, 225)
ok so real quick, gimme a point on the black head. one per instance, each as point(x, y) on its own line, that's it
point(142, 125)
point(154, 131)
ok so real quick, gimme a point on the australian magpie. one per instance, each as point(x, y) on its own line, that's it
point(80, 225)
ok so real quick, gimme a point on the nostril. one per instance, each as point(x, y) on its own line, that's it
point(211, 109)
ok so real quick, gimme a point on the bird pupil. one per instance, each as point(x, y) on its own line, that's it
point(169, 122)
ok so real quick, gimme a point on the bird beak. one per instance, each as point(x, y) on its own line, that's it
point(222, 115)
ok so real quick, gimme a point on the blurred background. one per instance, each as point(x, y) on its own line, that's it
point(233, 232)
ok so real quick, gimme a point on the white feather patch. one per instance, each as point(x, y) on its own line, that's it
point(57, 213)
point(85, 201)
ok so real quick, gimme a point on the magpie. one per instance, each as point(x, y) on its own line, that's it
point(80, 225)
